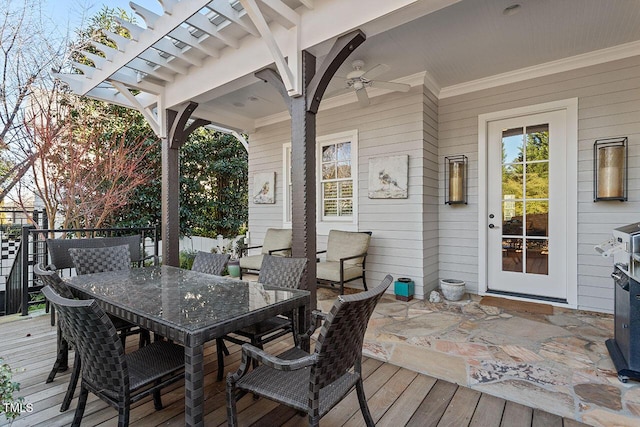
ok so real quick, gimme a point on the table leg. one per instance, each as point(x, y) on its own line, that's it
point(194, 386)
point(303, 314)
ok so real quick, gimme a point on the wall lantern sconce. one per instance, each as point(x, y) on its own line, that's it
point(610, 169)
point(455, 182)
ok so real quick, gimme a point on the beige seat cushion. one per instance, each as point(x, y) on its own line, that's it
point(277, 239)
point(330, 270)
point(251, 262)
point(343, 244)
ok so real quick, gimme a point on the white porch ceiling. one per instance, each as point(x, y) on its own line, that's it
point(453, 42)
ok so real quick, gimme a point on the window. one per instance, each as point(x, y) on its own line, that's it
point(337, 189)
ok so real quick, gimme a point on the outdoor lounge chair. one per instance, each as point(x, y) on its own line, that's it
point(276, 242)
point(117, 378)
point(312, 383)
point(345, 260)
point(277, 271)
point(210, 263)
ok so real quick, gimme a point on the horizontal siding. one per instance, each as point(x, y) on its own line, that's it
point(393, 124)
point(608, 105)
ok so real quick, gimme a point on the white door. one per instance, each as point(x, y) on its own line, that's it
point(526, 191)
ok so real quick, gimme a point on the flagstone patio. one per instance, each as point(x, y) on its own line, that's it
point(557, 362)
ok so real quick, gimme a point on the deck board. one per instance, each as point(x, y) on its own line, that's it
point(396, 396)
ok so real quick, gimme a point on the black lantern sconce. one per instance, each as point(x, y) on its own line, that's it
point(455, 182)
point(610, 169)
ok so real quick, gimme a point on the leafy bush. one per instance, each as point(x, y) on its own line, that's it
point(186, 258)
point(7, 387)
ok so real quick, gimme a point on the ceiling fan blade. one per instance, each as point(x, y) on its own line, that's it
point(363, 98)
point(398, 87)
point(376, 71)
point(337, 92)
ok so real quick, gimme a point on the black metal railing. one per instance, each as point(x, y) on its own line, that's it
point(22, 290)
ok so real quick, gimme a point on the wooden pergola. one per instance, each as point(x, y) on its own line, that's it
point(198, 50)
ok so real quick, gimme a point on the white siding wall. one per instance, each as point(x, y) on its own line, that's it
point(404, 237)
point(608, 106)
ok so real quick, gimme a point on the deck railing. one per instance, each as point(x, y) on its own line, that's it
point(21, 288)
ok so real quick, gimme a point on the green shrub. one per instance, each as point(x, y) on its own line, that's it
point(7, 387)
point(186, 258)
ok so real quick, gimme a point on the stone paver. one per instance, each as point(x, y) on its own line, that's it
point(557, 362)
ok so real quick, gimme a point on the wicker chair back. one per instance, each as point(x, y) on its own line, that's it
point(103, 362)
point(282, 271)
point(210, 263)
point(339, 345)
point(59, 248)
point(51, 278)
point(98, 260)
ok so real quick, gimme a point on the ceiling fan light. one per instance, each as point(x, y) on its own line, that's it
point(357, 85)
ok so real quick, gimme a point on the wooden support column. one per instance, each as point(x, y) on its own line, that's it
point(303, 111)
point(177, 134)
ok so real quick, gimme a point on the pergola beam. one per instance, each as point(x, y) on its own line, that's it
point(291, 70)
point(146, 112)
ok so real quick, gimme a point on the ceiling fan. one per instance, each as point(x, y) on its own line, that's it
point(359, 80)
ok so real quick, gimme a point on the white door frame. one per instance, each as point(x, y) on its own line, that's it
point(571, 226)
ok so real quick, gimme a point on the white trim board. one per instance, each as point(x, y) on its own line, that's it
point(571, 107)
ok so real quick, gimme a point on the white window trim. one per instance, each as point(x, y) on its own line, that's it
point(323, 226)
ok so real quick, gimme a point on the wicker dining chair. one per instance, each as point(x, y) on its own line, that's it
point(277, 271)
point(50, 277)
point(312, 383)
point(117, 378)
point(210, 263)
point(99, 260)
point(91, 260)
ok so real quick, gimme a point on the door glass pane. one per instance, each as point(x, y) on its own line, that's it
point(537, 184)
point(512, 181)
point(537, 142)
point(512, 218)
point(538, 256)
point(538, 219)
point(512, 255)
point(512, 145)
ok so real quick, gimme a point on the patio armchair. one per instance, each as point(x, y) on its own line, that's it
point(346, 254)
point(276, 242)
point(277, 271)
point(312, 383)
point(210, 263)
point(117, 378)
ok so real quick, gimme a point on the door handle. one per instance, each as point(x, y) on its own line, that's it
point(492, 226)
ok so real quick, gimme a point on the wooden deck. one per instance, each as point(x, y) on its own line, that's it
point(396, 396)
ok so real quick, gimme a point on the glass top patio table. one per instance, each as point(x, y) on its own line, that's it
point(189, 308)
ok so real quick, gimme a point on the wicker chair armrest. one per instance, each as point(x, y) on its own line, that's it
point(278, 250)
point(254, 353)
point(363, 256)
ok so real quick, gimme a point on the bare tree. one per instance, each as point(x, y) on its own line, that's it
point(28, 50)
point(87, 165)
